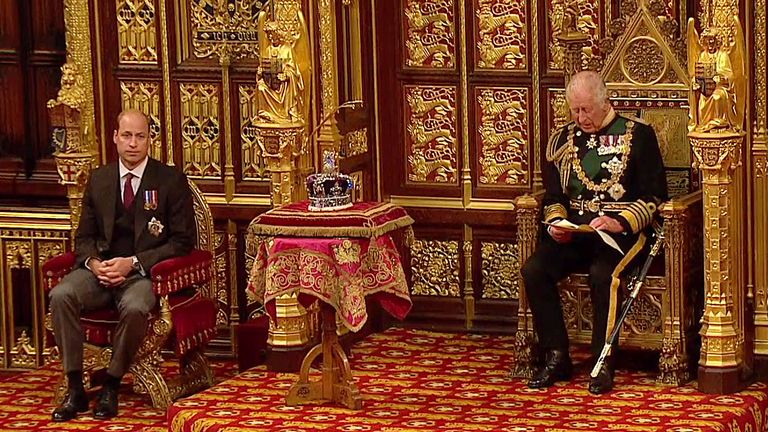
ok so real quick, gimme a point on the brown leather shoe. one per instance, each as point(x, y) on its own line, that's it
point(557, 367)
point(106, 404)
point(603, 382)
point(75, 402)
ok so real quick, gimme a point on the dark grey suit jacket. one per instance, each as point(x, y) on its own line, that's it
point(174, 211)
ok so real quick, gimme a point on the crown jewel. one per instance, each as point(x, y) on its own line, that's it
point(329, 190)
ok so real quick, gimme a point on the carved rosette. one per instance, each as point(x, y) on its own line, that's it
point(435, 268)
point(717, 155)
point(280, 146)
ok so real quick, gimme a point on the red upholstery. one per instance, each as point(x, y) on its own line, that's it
point(174, 274)
point(193, 316)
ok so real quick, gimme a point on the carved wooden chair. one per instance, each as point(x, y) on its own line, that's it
point(663, 317)
point(184, 320)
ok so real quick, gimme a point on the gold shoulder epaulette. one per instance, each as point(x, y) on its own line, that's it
point(636, 119)
point(553, 152)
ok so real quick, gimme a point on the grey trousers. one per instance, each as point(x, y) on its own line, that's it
point(80, 291)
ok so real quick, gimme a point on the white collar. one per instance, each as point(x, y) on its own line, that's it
point(137, 172)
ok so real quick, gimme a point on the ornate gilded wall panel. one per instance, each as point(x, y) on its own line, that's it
point(145, 97)
point(27, 240)
point(430, 37)
point(500, 270)
point(355, 143)
point(209, 25)
point(502, 35)
point(136, 31)
point(200, 130)
point(503, 135)
point(432, 143)
point(253, 166)
point(587, 21)
point(435, 268)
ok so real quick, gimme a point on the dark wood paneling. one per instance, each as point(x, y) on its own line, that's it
point(46, 26)
point(31, 53)
point(12, 130)
point(10, 31)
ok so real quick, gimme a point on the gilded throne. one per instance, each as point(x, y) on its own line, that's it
point(646, 76)
point(184, 320)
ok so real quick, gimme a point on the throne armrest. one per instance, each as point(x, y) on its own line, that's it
point(175, 274)
point(56, 268)
point(680, 204)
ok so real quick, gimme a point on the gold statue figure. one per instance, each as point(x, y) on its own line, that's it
point(718, 78)
point(284, 72)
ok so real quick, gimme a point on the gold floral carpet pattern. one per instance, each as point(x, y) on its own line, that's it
point(411, 380)
point(414, 380)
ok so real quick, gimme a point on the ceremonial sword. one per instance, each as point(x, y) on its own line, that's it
point(635, 284)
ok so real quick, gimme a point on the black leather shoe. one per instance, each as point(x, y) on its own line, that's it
point(557, 367)
point(106, 404)
point(75, 402)
point(603, 382)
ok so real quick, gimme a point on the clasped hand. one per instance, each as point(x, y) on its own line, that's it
point(111, 272)
point(602, 223)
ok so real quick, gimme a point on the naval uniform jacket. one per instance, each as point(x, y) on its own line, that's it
point(616, 171)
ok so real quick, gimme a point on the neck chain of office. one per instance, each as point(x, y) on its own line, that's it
point(615, 173)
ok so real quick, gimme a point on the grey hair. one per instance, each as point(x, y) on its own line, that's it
point(588, 80)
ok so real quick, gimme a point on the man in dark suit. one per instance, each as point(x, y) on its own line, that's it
point(603, 170)
point(135, 213)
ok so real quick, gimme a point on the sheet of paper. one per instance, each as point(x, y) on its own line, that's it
point(570, 226)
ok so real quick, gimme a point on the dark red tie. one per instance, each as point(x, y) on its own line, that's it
point(128, 191)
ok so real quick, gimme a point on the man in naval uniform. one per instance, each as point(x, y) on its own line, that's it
point(604, 170)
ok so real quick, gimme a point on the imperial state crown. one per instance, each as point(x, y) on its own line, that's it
point(329, 190)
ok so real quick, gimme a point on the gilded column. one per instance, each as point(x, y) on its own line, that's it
point(284, 79)
point(718, 103)
point(72, 112)
point(527, 211)
point(759, 155)
point(329, 138)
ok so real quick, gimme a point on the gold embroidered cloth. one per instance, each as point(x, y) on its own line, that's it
point(340, 272)
point(339, 257)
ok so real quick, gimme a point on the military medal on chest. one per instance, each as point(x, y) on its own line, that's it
point(150, 199)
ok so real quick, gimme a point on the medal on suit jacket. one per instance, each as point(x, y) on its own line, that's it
point(155, 227)
point(150, 199)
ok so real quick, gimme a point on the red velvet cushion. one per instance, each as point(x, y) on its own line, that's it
point(175, 274)
point(193, 318)
point(56, 268)
point(363, 219)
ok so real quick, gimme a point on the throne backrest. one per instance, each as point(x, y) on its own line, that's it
point(203, 219)
point(205, 236)
point(646, 78)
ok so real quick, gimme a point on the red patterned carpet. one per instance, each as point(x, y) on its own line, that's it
point(411, 380)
